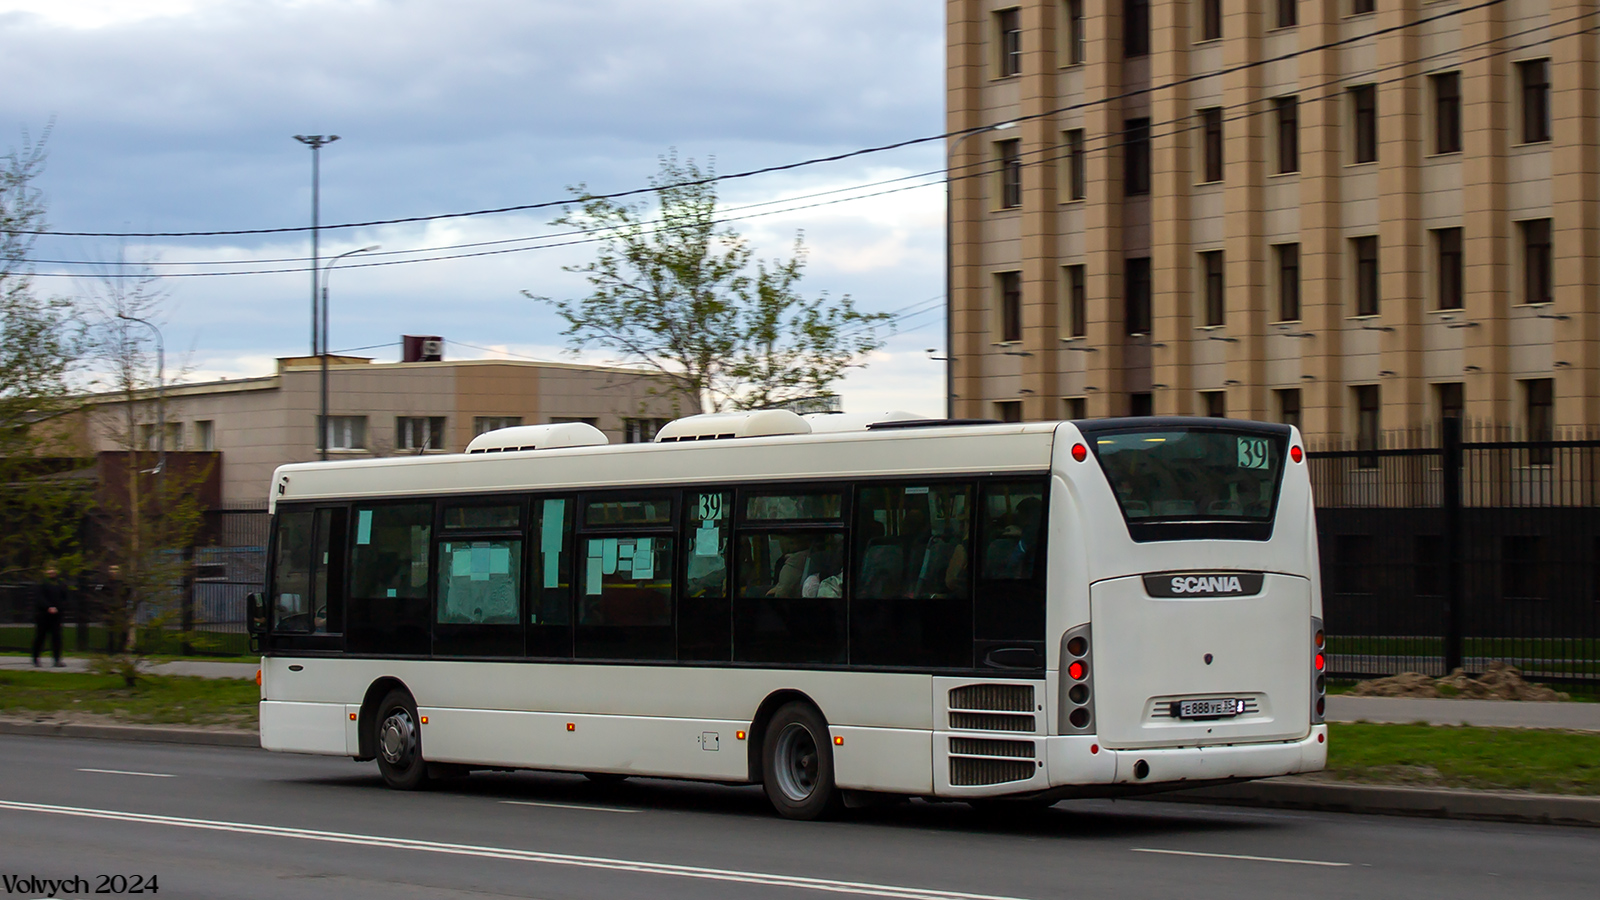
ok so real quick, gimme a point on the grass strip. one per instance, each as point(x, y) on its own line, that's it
point(155, 700)
point(1447, 756)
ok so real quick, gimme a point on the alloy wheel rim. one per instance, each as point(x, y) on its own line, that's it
point(796, 762)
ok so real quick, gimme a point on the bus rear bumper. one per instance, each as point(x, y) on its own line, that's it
point(1067, 764)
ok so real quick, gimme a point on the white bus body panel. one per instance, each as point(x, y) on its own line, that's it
point(303, 727)
point(1259, 649)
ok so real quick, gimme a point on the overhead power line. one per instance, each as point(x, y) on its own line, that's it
point(783, 167)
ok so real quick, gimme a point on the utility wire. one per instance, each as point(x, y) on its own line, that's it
point(783, 167)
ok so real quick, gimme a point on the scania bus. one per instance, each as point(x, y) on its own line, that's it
point(830, 607)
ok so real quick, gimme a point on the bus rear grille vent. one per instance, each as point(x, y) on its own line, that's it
point(993, 697)
point(965, 746)
point(966, 772)
point(991, 722)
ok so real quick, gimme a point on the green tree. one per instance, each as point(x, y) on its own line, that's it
point(42, 503)
point(681, 293)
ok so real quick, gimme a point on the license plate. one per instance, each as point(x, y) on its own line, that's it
point(1207, 709)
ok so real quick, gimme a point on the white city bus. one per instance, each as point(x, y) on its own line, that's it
point(964, 611)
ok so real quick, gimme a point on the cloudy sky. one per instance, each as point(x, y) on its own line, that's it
point(178, 115)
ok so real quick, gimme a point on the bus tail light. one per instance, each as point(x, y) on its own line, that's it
point(1319, 676)
point(1080, 452)
point(1296, 454)
point(1076, 714)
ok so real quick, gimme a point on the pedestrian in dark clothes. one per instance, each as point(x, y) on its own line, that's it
point(49, 605)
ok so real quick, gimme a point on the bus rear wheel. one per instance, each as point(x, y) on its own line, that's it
point(400, 742)
point(797, 764)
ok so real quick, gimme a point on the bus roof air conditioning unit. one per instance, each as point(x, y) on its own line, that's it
point(721, 426)
point(538, 437)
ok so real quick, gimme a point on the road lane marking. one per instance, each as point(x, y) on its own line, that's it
point(620, 809)
point(1276, 859)
point(900, 892)
point(122, 772)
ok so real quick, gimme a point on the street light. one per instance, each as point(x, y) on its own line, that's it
point(322, 421)
point(161, 392)
point(949, 269)
point(315, 142)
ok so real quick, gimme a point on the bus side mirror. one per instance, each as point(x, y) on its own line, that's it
point(256, 612)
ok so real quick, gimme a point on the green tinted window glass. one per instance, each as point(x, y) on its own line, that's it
point(478, 582)
point(391, 550)
point(483, 517)
point(633, 511)
point(793, 507)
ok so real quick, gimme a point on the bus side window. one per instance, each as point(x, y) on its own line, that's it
point(703, 609)
point(1010, 593)
point(791, 578)
point(911, 604)
point(624, 565)
point(388, 609)
point(551, 565)
point(291, 574)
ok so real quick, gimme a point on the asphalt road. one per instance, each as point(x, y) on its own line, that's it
point(216, 822)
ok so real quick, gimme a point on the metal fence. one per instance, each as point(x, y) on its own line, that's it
point(1480, 547)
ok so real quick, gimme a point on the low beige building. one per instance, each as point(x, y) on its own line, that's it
point(1350, 215)
point(374, 409)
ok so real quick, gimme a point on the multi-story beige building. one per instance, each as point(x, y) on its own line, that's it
point(374, 409)
point(1348, 214)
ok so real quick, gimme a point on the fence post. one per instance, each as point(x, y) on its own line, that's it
point(1450, 473)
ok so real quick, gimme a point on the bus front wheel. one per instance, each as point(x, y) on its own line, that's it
point(797, 764)
point(400, 742)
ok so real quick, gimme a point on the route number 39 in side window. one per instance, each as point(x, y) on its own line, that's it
point(1253, 453)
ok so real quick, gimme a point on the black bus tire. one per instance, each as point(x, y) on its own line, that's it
point(797, 764)
point(399, 742)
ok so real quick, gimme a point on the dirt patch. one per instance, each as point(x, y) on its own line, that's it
point(1501, 681)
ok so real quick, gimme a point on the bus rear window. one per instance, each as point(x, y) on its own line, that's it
point(1192, 475)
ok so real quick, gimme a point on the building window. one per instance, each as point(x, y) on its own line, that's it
point(1211, 143)
point(1447, 251)
point(1289, 406)
point(1077, 174)
point(1136, 157)
point(1074, 408)
point(1141, 403)
point(1366, 396)
point(1364, 111)
point(1077, 302)
point(205, 435)
point(1446, 112)
point(1215, 403)
point(1288, 259)
point(1537, 273)
point(1216, 303)
point(1288, 13)
point(1009, 286)
point(641, 431)
point(1361, 7)
point(1010, 173)
point(481, 424)
point(1366, 253)
point(1008, 25)
point(1451, 397)
point(346, 433)
point(1075, 32)
point(1210, 20)
point(1288, 113)
point(1008, 410)
point(1136, 296)
point(1535, 77)
point(419, 433)
point(1135, 28)
point(1540, 408)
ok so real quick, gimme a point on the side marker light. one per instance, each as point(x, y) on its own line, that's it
point(572, 726)
point(1296, 454)
point(1321, 738)
point(739, 735)
point(424, 720)
point(1093, 749)
point(1080, 452)
point(838, 740)
point(352, 717)
point(258, 678)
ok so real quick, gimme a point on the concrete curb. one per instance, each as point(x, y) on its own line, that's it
point(1370, 799)
point(147, 733)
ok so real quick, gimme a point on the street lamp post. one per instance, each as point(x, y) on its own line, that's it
point(322, 421)
point(161, 392)
point(949, 268)
point(315, 142)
